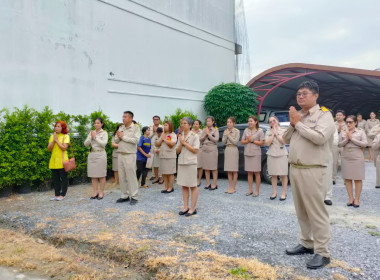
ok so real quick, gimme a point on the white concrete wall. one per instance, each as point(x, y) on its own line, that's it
point(163, 56)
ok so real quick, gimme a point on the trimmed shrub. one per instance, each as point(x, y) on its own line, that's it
point(178, 115)
point(230, 100)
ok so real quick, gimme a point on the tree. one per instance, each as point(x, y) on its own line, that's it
point(230, 100)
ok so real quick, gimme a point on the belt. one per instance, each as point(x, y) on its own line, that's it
point(97, 151)
point(123, 153)
point(231, 145)
point(302, 166)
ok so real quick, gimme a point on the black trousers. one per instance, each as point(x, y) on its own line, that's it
point(60, 181)
point(141, 170)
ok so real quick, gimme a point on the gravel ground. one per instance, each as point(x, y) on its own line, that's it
point(12, 274)
point(238, 226)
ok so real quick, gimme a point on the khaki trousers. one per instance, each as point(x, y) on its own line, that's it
point(337, 152)
point(309, 191)
point(127, 176)
point(329, 183)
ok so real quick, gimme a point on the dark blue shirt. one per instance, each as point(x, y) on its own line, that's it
point(144, 143)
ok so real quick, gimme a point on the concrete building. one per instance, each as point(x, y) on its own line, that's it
point(147, 56)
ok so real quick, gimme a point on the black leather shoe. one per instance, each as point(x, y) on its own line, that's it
point(120, 200)
point(334, 182)
point(356, 205)
point(317, 262)
point(213, 189)
point(283, 198)
point(170, 191)
point(299, 250)
point(188, 214)
point(133, 201)
point(183, 212)
point(94, 197)
point(377, 187)
point(273, 197)
point(350, 204)
point(164, 191)
point(328, 202)
point(209, 186)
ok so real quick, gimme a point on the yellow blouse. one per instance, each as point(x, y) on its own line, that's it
point(56, 153)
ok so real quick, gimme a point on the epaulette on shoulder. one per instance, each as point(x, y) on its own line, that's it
point(136, 125)
point(324, 109)
point(260, 128)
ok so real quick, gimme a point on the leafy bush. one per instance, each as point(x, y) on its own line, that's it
point(178, 115)
point(24, 135)
point(230, 100)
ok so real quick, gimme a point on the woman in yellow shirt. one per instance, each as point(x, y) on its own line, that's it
point(58, 143)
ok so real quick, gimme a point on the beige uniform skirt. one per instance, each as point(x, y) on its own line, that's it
point(353, 166)
point(369, 140)
point(115, 165)
point(97, 164)
point(277, 165)
point(209, 157)
point(231, 158)
point(187, 175)
point(167, 166)
point(199, 159)
point(252, 163)
point(156, 160)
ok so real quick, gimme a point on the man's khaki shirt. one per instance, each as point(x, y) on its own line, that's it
point(311, 138)
point(131, 136)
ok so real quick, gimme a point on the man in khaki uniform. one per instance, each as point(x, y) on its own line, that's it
point(156, 124)
point(310, 135)
point(337, 152)
point(127, 137)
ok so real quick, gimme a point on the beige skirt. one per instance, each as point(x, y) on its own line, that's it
point(209, 157)
point(115, 165)
point(353, 166)
point(369, 140)
point(252, 163)
point(199, 159)
point(231, 158)
point(277, 165)
point(167, 166)
point(187, 175)
point(156, 161)
point(97, 164)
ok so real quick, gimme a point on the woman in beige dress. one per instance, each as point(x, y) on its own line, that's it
point(97, 158)
point(231, 138)
point(187, 148)
point(376, 150)
point(115, 157)
point(277, 157)
point(353, 169)
point(166, 143)
point(197, 129)
point(253, 139)
point(209, 155)
point(156, 158)
point(370, 123)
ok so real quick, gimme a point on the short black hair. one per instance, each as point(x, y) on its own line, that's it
point(144, 129)
point(129, 113)
point(156, 117)
point(311, 85)
point(159, 129)
point(340, 111)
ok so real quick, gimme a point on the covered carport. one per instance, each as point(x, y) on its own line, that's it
point(353, 90)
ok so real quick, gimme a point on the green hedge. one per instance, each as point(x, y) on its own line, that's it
point(24, 135)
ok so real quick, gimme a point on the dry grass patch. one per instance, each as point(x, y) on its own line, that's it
point(337, 276)
point(211, 265)
point(344, 265)
point(26, 253)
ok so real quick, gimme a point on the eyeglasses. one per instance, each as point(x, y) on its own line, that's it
point(303, 94)
point(156, 119)
point(350, 122)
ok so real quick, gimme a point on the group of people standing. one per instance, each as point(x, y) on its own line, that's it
point(315, 143)
point(354, 135)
